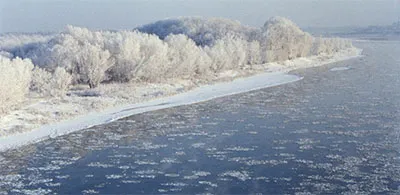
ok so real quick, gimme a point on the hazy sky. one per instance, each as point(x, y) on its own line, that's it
point(53, 15)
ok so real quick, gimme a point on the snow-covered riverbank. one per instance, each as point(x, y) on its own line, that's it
point(44, 118)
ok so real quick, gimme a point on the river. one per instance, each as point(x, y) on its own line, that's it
point(336, 131)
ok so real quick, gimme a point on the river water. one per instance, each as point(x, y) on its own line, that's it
point(335, 131)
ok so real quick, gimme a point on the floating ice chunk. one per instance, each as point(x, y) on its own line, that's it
point(162, 190)
point(240, 149)
point(208, 183)
point(130, 181)
point(61, 162)
point(62, 176)
point(252, 132)
point(339, 69)
point(198, 145)
point(201, 173)
point(90, 192)
point(151, 146)
point(53, 184)
point(180, 153)
point(99, 165)
point(197, 174)
point(170, 161)
point(177, 184)
point(150, 171)
point(240, 175)
point(124, 167)
point(171, 175)
point(145, 162)
point(191, 177)
point(114, 176)
point(49, 168)
point(40, 181)
point(265, 162)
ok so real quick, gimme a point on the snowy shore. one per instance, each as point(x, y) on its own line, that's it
point(41, 119)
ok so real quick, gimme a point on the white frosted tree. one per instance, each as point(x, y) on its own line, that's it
point(219, 57)
point(83, 35)
point(203, 31)
point(183, 56)
point(14, 81)
point(40, 82)
point(236, 48)
point(47, 84)
point(254, 53)
point(93, 62)
point(284, 40)
point(329, 46)
point(154, 59)
point(80, 52)
point(64, 54)
point(139, 57)
point(126, 47)
point(228, 53)
point(203, 64)
point(61, 81)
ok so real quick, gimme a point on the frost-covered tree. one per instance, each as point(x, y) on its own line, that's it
point(203, 31)
point(219, 57)
point(329, 46)
point(319, 46)
point(14, 81)
point(84, 35)
point(254, 53)
point(237, 48)
point(63, 52)
point(139, 57)
point(92, 63)
point(47, 84)
point(183, 56)
point(40, 82)
point(203, 64)
point(228, 53)
point(79, 51)
point(61, 81)
point(284, 40)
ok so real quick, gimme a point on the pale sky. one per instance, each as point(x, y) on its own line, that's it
point(54, 15)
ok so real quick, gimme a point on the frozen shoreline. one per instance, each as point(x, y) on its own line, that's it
point(114, 108)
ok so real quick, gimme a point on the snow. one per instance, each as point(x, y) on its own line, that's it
point(55, 117)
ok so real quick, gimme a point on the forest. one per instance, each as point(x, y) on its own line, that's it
point(47, 65)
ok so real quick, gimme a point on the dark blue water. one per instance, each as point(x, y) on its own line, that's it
point(333, 132)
